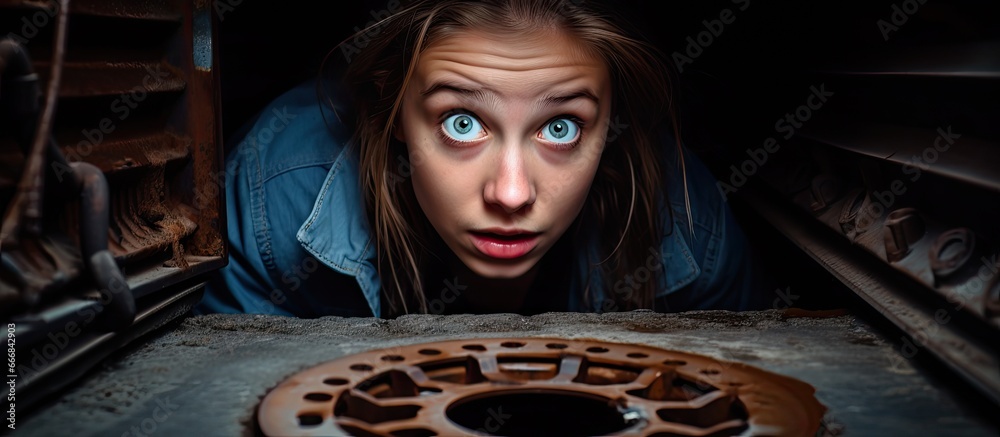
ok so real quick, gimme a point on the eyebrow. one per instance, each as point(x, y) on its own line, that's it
point(489, 95)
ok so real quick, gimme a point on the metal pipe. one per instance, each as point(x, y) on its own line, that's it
point(26, 208)
point(116, 297)
point(94, 207)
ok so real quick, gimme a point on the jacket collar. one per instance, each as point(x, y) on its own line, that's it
point(337, 233)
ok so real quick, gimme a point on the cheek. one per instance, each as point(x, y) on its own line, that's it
point(566, 191)
point(440, 188)
point(431, 192)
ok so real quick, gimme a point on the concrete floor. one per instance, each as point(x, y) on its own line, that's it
point(206, 374)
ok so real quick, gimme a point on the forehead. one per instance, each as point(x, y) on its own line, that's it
point(525, 65)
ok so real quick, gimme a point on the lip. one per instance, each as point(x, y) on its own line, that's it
point(504, 243)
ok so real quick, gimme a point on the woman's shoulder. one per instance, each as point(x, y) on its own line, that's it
point(288, 185)
point(290, 170)
point(296, 129)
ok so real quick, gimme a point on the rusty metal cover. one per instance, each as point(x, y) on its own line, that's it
point(537, 386)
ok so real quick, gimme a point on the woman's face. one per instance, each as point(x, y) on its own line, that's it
point(504, 135)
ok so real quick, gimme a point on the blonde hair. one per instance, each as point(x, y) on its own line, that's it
point(382, 69)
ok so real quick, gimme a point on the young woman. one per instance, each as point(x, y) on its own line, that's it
point(492, 156)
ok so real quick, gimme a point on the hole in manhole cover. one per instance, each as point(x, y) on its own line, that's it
point(537, 386)
point(538, 412)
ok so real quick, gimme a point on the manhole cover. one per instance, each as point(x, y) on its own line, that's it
point(537, 386)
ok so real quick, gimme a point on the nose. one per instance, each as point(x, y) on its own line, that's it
point(510, 188)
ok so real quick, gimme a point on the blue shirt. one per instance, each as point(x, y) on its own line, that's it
point(300, 245)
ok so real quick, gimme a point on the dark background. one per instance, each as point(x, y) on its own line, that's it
point(740, 83)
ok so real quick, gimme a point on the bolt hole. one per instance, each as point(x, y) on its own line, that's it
point(474, 347)
point(512, 344)
point(900, 214)
point(675, 362)
point(318, 397)
point(335, 381)
point(597, 349)
point(361, 367)
point(951, 251)
point(429, 352)
point(392, 358)
point(310, 419)
point(637, 355)
point(556, 346)
point(709, 371)
point(992, 301)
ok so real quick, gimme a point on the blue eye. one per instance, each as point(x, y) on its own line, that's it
point(463, 127)
point(560, 130)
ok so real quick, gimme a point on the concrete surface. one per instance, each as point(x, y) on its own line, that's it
point(206, 374)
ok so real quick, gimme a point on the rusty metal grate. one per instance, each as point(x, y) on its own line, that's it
point(537, 386)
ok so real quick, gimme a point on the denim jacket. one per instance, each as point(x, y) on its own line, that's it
point(300, 245)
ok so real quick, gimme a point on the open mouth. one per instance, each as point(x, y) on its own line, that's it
point(504, 245)
point(506, 237)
